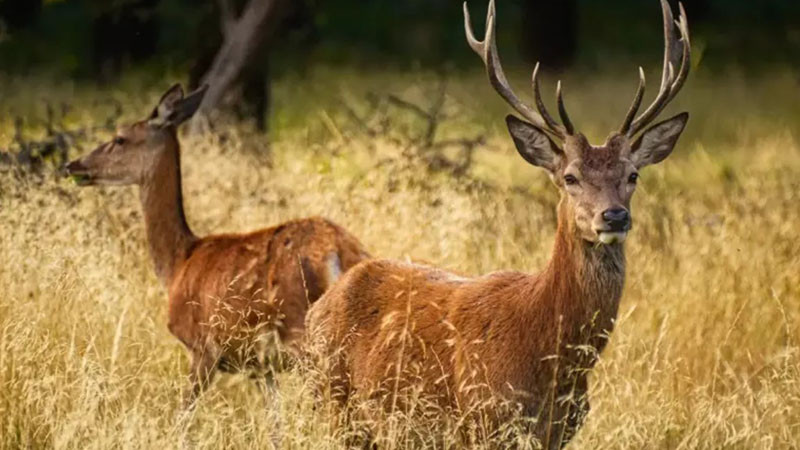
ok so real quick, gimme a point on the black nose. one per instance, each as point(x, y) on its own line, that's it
point(617, 219)
point(74, 167)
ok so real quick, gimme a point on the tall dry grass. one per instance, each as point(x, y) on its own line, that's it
point(705, 354)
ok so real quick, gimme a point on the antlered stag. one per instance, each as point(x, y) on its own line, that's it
point(233, 298)
point(389, 327)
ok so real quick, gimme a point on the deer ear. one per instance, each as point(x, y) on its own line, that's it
point(174, 108)
point(533, 144)
point(168, 100)
point(655, 144)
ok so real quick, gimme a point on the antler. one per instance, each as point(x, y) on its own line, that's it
point(487, 50)
point(670, 84)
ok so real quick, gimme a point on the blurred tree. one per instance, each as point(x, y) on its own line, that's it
point(99, 38)
point(549, 32)
point(245, 30)
point(248, 92)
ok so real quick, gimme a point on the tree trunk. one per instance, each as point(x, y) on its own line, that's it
point(242, 37)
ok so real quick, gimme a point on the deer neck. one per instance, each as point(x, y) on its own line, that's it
point(168, 235)
point(583, 283)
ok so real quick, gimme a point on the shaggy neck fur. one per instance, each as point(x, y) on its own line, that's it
point(583, 285)
point(168, 234)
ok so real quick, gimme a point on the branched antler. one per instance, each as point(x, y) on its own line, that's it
point(671, 81)
point(487, 50)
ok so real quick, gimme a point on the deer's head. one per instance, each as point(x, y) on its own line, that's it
point(137, 148)
point(596, 182)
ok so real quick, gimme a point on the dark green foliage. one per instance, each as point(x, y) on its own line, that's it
point(58, 35)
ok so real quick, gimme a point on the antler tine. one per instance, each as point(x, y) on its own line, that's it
point(669, 38)
point(537, 93)
point(637, 103)
point(686, 43)
point(666, 75)
point(487, 50)
point(670, 84)
point(477, 46)
point(562, 111)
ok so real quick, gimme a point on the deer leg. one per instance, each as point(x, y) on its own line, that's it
point(272, 399)
point(266, 384)
point(203, 369)
point(571, 408)
point(578, 411)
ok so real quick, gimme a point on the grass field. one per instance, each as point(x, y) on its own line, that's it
point(706, 353)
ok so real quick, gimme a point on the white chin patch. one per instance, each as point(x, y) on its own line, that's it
point(615, 237)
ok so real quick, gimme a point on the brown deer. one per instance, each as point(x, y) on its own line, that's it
point(530, 341)
point(234, 299)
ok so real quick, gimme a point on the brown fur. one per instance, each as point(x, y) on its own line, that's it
point(507, 336)
point(235, 300)
point(498, 332)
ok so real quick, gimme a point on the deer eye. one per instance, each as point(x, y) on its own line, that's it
point(119, 140)
point(570, 180)
point(633, 178)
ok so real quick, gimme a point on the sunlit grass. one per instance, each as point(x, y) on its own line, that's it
point(705, 354)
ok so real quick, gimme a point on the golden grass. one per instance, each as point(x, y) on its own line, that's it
point(705, 354)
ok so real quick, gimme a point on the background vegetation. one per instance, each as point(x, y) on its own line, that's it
point(706, 351)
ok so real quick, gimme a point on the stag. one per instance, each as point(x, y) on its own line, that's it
point(527, 340)
point(236, 301)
